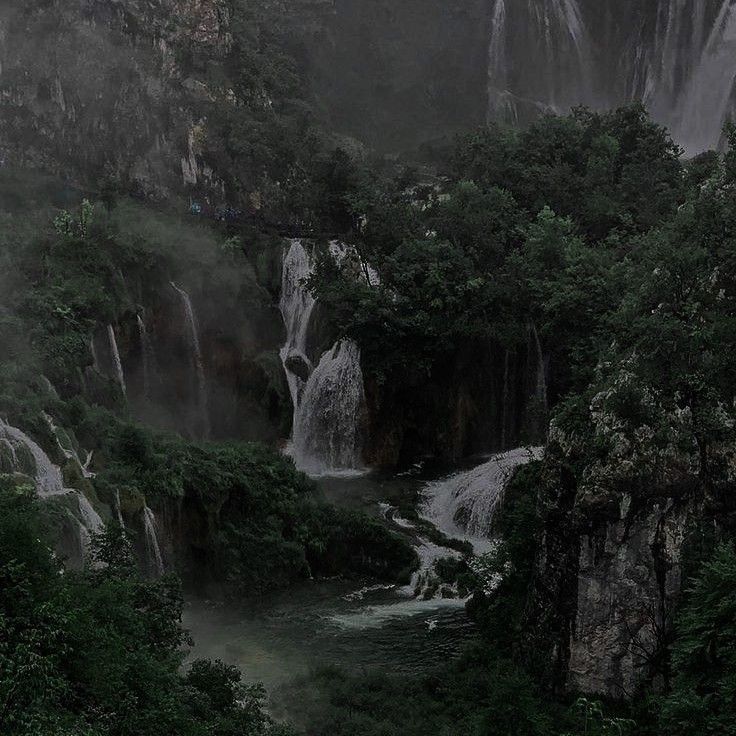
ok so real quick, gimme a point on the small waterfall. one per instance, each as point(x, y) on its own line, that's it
point(119, 509)
point(46, 475)
point(148, 356)
point(196, 348)
point(68, 450)
point(329, 403)
point(153, 550)
point(296, 307)
point(462, 506)
point(49, 482)
point(117, 363)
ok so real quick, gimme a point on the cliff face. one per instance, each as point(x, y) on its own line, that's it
point(626, 508)
point(106, 91)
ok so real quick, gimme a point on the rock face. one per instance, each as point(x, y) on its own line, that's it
point(628, 497)
point(629, 577)
point(114, 97)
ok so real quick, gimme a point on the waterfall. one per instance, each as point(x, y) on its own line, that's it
point(153, 549)
point(46, 475)
point(148, 356)
point(119, 509)
point(707, 98)
point(49, 482)
point(69, 451)
point(328, 400)
point(327, 426)
point(555, 29)
point(462, 505)
point(296, 306)
point(196, 348)
point(117, 363)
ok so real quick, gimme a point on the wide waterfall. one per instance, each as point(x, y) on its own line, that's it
point(196, 348)
point(328, 400)
point(153, 549)
point(116, 361)
point(677, 56)
point(462, 505)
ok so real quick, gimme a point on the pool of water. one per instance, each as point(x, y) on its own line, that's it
point(283, 638)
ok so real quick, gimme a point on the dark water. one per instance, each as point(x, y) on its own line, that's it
point(333, 622)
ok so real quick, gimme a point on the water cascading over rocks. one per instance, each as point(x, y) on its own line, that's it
point(197, 360)
point(23, 455)
point(462, 506)
point(328, 400)
point(153, 548)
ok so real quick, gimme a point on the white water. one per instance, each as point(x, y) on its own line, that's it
point(329, 404)
point(194, 343)
point(49, 482)
point(117, 363)
point(462, 505)
point(46, 475)
point(69, 452)
point(153, 549)
point(327, 429)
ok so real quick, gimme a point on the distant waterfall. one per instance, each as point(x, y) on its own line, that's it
point(153, 550)
point(563, 75)
point(196, 348)
point(328, 400)
point(707, 99)
point(463, 505)
point(117, 363)
point(147, 354)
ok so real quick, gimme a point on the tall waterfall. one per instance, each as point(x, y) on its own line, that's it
point(462, 505)
point(194, 343)
point(562, 75)
point(677, 56)
point(148, 355)
point(117, 363)
point(153, 549)
point(707, 98)
point(328, 400)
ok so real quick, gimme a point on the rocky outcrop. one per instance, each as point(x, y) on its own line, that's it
point(626, 499)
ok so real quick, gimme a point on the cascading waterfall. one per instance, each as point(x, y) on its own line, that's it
point(327, 429)
point(328, 400)
point(153, 548)
point(194, 343)
point(117, 363)
point(49, 482)
point(462, 506)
